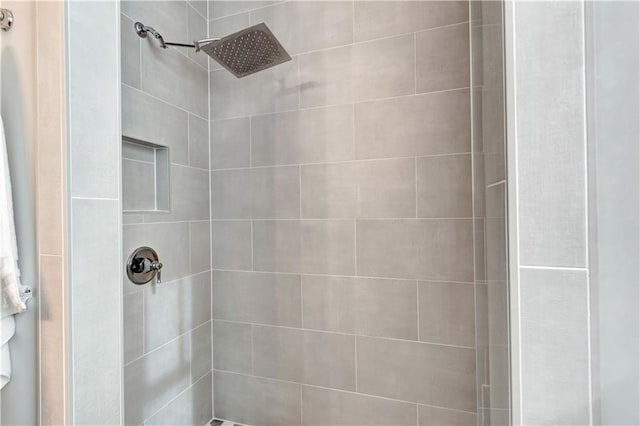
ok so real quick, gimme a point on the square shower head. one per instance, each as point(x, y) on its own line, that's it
point(247, 51)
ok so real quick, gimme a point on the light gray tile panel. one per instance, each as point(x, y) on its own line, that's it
point(551, 160)
point(193, 407)
point(265, 298)
point(232, 347)
point(93, 103)
point(201, 353)
point(171, 242)
point(309, 25)
point(445, 186)
point(384, 188)
point(197, 30)
point(375, 19)
point(307, 136)
point(262, 193)
point(447, 313)
point(172, 309)
point(334, 408)
point(309, 246)
point(435, 416)
point(137, 175)
point(198, 142)
point(359, 72)
point(436, 123)
point(231, 245)
point(133, 326)
point(271, 90)
point(316, 358)
point(225, 26)
point(201, 6)
point(173, 77)
point(200, 246)
point(253, 400)
point(189, 198)
point(555, 341)
point(435, 249)
point(148, 119)
point(367, 306)
point(230, 143)
point(430, 374)
point(442, 58)
point(155, 379)
point(218, 9)
point(130, 53)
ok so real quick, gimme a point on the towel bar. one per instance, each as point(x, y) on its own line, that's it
point(6, 19)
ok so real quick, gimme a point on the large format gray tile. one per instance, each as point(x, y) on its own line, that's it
point(136, 175)
point(442, 58)
point(231, 245)
point(133, 326)
point(271, 90)
point(384, 188)
point(265, 298)
point(436, 249)
point(197, 30)
point(168, 17)
point(253, 400)
point(430, 374)
point(230, 143)
point(436, 416)
point(232, 347)
point(130, 53)
point(155, 379)
point(375, 19)
point(316, 358)
point(551, 159)
point(189, 198)
point(159, 70)
point(171, 242)
point(445, 186)
point(293, 23)
point(172, 309)
point(148, 119)
point(435, 123)
point(334, 408)
point(261, 193)
point(192, 407)
point(308, 246)
point(219, 9)
point(201, 361)
point(359, 72)
point(447, 313)
point(200, 246)
point(307, 136)
point(368, 306)
point(554, 308)
point(198, 142)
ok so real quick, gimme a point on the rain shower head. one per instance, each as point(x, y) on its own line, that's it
point(242, 53)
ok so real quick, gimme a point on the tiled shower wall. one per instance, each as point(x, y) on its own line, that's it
point(167, 327)
point(342, 218)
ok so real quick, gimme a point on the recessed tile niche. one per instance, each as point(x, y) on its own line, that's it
point(145, 176)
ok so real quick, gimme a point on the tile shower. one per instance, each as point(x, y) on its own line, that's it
point(324, 247)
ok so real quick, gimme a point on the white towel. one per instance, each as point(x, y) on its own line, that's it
point(11, 291)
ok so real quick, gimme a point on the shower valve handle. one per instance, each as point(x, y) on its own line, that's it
point(157, 266)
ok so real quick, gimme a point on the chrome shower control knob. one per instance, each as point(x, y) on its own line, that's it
point(143, 266)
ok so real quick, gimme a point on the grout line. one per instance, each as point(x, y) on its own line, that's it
point(555, 268)
point(348, 161)
point(329, 219)
point(343, 104)
point(163, 101)
point(234, 373)
point(342, 333)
